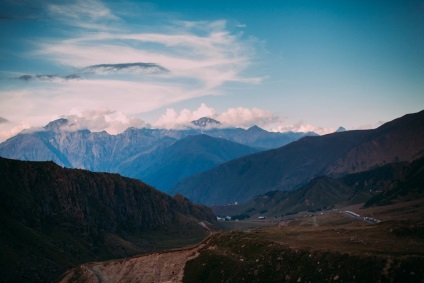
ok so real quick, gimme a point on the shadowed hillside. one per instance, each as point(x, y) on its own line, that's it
point(291, 166)
point(383, 185)
point(54, 218)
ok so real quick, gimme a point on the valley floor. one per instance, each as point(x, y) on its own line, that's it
point(320, 247)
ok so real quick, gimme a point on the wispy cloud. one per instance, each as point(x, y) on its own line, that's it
point(101, 69)
point(91, 10)
point(123, 68)
point(87, 14)
point(38, 77)
point(212, 59)
point(3, 120)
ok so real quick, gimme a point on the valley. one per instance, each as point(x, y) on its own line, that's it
point(339, 248)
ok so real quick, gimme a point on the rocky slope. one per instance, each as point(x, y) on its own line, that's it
point(289, 167)
point(53, 218)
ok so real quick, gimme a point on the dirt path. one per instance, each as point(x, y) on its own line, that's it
point(156, 267)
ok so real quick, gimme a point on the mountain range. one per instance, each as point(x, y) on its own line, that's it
point(186, 157)
point(144, 153)
point(290, 167)
point(53, 218)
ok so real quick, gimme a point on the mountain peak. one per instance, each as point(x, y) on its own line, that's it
point(340, 129)
point(256, 129)
point(205, 122)
point(56, 124)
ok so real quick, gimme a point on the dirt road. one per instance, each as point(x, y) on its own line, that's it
point(156, 267)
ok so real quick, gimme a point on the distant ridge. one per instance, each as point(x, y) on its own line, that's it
point(137, 152)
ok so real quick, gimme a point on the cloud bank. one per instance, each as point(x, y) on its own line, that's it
point(239, 117)
point(115, 122)
point(232, 117)
point(101, 120)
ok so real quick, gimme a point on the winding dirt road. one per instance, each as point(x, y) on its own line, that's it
point(167, 266)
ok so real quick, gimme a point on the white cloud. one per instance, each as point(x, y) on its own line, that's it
point(300, 126)
point(95, 120)
point(101, 119)
point(233, 117)
point(237, 117)
point(247, 117)
point(171, 119)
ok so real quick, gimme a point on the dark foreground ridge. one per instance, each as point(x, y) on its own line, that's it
point(54, 218)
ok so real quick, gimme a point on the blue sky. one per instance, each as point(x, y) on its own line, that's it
point(283, 65)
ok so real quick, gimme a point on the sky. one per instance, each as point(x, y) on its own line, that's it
point(282, 65)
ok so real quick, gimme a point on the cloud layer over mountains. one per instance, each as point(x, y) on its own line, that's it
point(115, 122)
point(232, 117)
